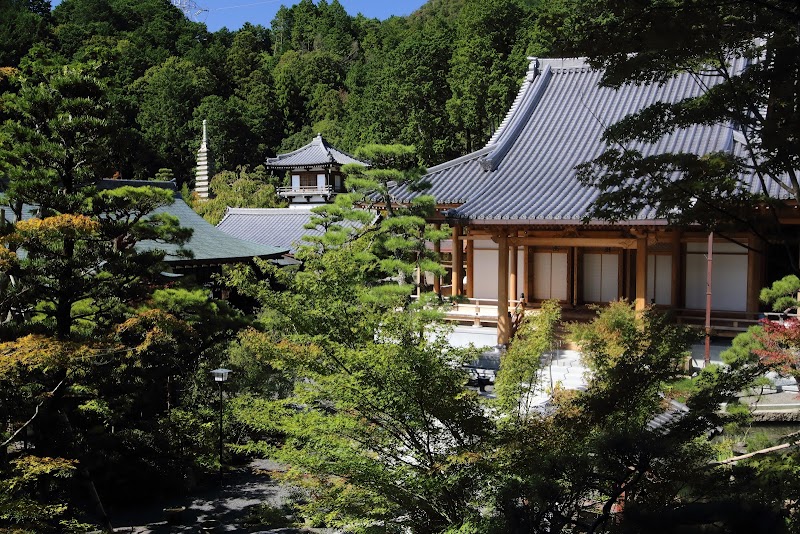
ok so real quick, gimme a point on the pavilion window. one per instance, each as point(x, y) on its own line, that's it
point(308, 180)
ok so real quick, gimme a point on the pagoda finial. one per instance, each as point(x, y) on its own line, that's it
point(205, 136)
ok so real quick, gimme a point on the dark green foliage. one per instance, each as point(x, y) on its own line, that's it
point(79, 255)
point(486, 64)
point(168, 93)
point(375, 421)
point(22, 24)
point(109, 391)
point(782, 295)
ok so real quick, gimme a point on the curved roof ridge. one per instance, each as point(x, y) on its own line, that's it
point(566, 63)
point(461, 159)
point(532, 90)
point(533, 67)
point(296, 151)
point(264, 211)
point(326, 147)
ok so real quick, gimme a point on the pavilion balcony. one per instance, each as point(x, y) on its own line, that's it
point(305, 191)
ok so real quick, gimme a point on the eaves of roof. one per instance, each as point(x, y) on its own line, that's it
point(317, 153)
point(208, 244)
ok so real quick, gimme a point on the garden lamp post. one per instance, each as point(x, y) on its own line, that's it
point(220, 375)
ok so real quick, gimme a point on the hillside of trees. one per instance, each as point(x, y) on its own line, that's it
point(440, 79)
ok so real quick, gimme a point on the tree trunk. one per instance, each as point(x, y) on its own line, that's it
point(85, 476)
point(64, 302)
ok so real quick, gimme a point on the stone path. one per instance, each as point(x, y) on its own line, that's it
point(213, 509)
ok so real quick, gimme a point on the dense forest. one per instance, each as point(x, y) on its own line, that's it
point(440, 79)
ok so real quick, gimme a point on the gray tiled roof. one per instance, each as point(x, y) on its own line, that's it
point(316, 153)
point(663, 422)
point(281, 227)
point(208, 244)
point(526, 172)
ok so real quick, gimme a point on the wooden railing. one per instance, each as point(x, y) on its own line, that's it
point(484, 311)
point(722, 323)
point(305, 190)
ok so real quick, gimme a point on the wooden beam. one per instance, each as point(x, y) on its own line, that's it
point(437, 249)
point(572, 276)
point(676, 296)
point(630, 290)
point(529, 232)
point(527, 273)
point(641, 273)
point(458, 262)
point(628, 243)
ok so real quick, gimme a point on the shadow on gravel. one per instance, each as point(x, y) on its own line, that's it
point(214, 509)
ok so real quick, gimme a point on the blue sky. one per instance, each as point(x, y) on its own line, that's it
point(234, 13)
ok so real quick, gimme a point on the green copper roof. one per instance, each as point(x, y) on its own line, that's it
point(208, 244)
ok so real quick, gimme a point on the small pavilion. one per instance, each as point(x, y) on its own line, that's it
point(315, 171)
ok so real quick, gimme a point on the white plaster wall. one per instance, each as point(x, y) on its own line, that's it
point(485, 271)
point(728, 277)
point(659, 279)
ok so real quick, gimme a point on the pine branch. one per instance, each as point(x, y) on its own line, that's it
point(35, 413)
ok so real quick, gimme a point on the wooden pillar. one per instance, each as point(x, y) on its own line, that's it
point(641, 273)
point(630, 268)
point(437, 249)
point(470, 269)
point(677, 267)
point(573, 277)
point(503, 320)
point(512, 278)
point(526, 273)
point(458, 262)
point(755, 273)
